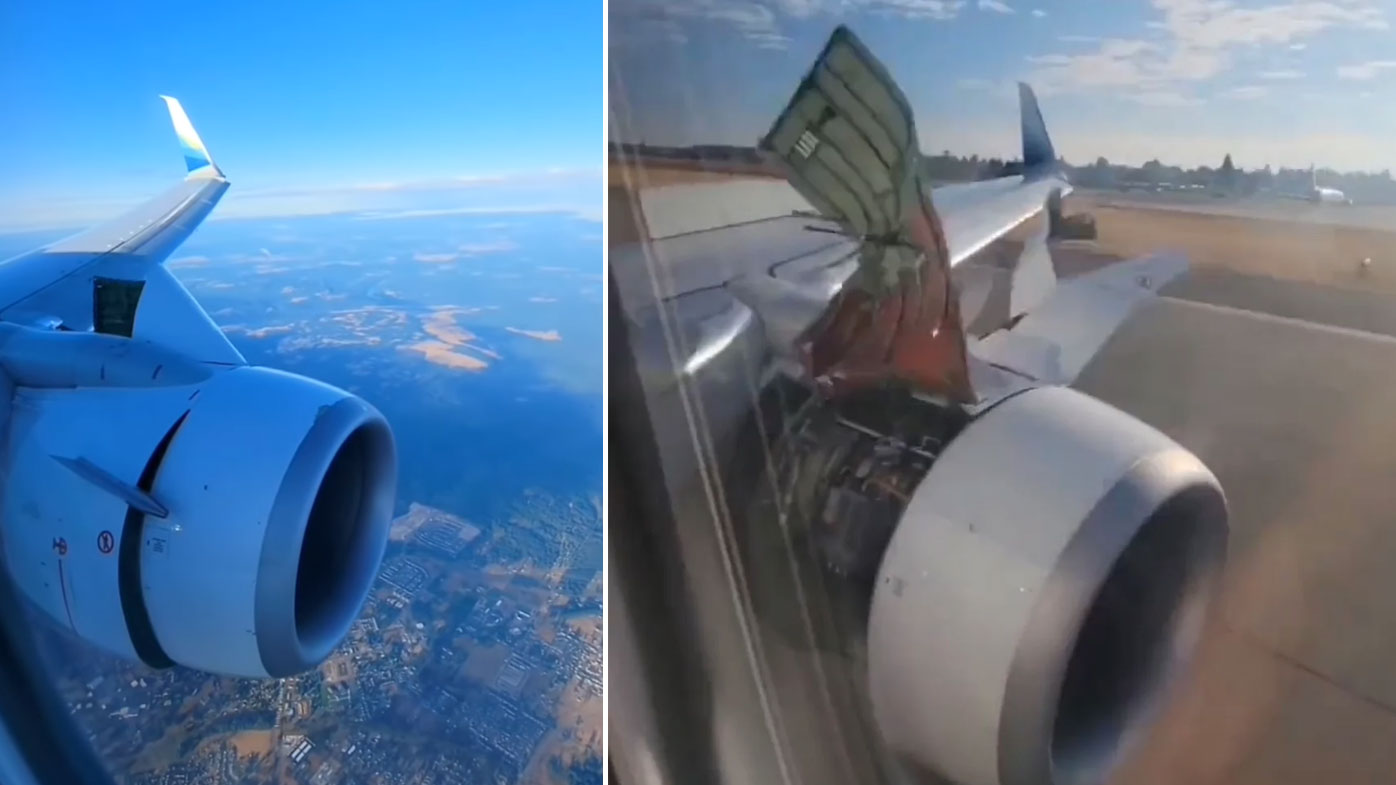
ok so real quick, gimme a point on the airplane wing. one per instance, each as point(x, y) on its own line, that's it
point(757, 261)
point(856, 200)
point(159, 497)
point(109, 279)
point(1054, 342)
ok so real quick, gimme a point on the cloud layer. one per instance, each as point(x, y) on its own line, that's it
point(1190, 42)
point(668, 21)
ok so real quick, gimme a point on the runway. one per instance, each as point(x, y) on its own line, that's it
point(1294, 682)
point(1358, 216)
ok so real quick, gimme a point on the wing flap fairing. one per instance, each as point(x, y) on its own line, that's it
point(1054, 342)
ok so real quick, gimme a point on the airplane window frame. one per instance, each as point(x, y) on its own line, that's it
point(49, 745)
point(645, 568)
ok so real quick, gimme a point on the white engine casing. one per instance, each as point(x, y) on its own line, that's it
point(1048, 578)
point(279, 492)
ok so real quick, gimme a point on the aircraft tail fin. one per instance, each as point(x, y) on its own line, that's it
point(1038, 153)
point(196, 156)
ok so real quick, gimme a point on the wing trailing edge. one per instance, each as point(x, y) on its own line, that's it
point(1053, 343)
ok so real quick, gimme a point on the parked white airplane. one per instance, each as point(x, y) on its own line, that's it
point(1323, 195)
point(1049, 558)
point(162, 498)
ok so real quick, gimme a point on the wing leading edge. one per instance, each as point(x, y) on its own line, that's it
point(110, 278)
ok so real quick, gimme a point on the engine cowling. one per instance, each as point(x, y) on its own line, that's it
point(1046, 581)
point(276, 493)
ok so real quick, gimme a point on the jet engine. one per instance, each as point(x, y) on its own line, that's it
point(1047, 579)
point(1019, 585)
point(233, 524)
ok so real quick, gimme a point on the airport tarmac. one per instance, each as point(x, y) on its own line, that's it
point(1381, 217)
point(1273, 247)
point(1281, 379)
point(1296, 679)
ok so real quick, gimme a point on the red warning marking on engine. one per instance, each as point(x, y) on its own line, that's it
point(106, 542)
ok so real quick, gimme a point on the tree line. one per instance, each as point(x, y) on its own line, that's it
point(1364, 187)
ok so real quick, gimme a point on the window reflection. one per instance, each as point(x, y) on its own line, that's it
point(1204, 168)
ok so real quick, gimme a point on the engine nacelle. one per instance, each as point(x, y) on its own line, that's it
point(1047, 579)
point(234, 525)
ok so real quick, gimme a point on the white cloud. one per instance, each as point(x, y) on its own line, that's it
point(1163, 98)
point(456, 183)
point(435, 258)
point(1216, 24)
point(388, 215)
point(1362, 72)
point(910, 9)
point(649, 22)
point(1247, 92)
point(1283, 74)
point(1039, 13)
point(1117, 63)
point(997, 6)
point(1193, 41)
point(756, 23)
point(478, 249)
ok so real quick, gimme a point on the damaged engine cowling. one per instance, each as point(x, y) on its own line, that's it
point(232, 520)
point(1019, 586)
point(1046, 581)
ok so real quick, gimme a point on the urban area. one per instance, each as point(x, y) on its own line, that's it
point(477, 659)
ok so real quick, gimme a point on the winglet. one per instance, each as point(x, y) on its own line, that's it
point(196, 156)
point(1038, 153)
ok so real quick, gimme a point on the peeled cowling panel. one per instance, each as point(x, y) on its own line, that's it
point(1047, 579)
point(280, 493)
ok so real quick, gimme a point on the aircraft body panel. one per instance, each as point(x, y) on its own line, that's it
point(62, 531)
point(1330, 195)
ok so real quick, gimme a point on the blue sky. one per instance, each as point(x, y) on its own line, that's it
point(302, 104)
point(1279, 82)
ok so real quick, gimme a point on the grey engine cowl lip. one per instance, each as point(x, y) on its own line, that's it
point(1173, 494)
point(1047, 577)
point(288, 645)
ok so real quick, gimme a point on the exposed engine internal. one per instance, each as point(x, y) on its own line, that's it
point(845, 471)
point(1050, 552)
